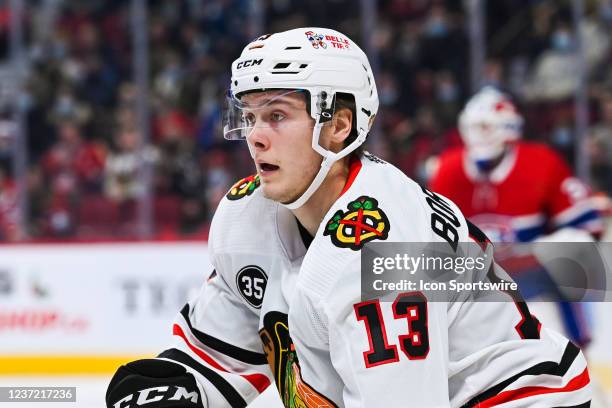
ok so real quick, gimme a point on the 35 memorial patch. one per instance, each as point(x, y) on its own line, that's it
point(363, 222)
point(243, 187)
point(251, 282)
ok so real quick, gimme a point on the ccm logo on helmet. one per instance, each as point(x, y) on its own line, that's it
point(156, 394)
point(249, 63)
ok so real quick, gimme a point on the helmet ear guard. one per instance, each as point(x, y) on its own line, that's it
point(322, 62)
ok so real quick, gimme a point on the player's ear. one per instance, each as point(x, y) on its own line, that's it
point(341, 126)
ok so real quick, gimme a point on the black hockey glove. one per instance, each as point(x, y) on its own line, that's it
point(154, 384)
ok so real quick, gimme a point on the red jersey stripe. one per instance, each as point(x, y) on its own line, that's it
point(259, 381)
point(575, 383)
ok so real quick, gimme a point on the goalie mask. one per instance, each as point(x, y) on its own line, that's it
point(488, 123)
point(317, 63)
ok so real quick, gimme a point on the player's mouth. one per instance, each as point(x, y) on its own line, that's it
point(266, 169)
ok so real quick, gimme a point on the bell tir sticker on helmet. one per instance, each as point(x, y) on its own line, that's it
point(243, 187)
point(338, 42)
point(316, 39)
point(363, 222)
point(320, 40)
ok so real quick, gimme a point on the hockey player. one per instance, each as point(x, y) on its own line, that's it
point(517, 192)
point(283, 305)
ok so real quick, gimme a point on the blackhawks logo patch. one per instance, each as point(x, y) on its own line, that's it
point(243, 187)
point(363, 222)
point(283, 360)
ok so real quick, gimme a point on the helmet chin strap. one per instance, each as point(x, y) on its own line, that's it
point(326, 164)
point(329, 158)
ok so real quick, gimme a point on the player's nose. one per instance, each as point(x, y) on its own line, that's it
point(258, 138)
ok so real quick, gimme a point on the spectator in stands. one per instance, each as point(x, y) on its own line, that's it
point(123, 166)
point(554, 75)
point(9, 227)
point(81, 79)
point(39, 193)
point(73, 157)
point(600, 137)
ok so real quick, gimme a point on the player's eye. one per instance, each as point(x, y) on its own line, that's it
point(277, 117)
point(249, 119)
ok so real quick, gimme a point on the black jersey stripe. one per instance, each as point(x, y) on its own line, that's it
point(225, 388)
point(477, 233)
point(529, 327)
point(547, 367)
point(240, 354)
point(585, 405)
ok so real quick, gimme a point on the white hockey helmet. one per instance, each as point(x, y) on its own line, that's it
point(488, 123)
point(318, 61)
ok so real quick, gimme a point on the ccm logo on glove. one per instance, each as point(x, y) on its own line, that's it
point(156, 394)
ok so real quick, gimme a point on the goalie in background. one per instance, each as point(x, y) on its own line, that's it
point(519, 192)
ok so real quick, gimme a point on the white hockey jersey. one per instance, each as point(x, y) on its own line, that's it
point(281, 310)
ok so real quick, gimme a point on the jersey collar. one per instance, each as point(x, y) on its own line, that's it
point(499, 173)
point(354, 168)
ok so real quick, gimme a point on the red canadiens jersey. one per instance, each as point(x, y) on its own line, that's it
point(530, 192)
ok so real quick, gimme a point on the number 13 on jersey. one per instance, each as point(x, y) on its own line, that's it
point(414, 344)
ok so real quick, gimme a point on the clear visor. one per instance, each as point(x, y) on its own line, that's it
point(272, 110)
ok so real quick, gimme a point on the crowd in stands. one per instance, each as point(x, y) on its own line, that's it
point(85, 149)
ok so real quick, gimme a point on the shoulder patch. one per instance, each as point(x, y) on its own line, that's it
point(363, 222)
point(251, 282)
point(243, 187)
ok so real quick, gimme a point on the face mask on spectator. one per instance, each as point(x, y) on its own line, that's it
point(448, 92)
point(436, 27)
point(388, 95)
point(65, 106)
point(26, 101)
point(562, 41)
point(562, 136)
point(59, 50)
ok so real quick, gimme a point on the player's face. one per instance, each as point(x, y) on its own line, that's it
point(483, 141)
point(280, 142)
